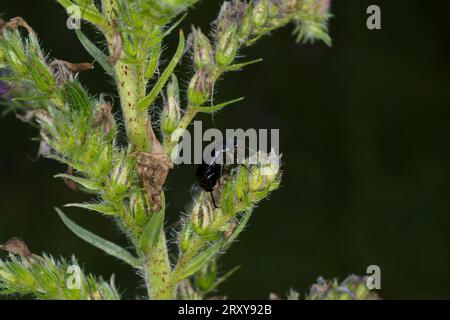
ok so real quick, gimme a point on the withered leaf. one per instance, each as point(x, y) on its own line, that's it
point(104, 117)
point(16, 22)
point(65, 70)
point(152, 169)
point(17, 246)
point(116, 49)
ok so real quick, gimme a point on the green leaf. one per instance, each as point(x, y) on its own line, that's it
point(95, 52)
point(148, 100)
point(158, 40)
point(105, 245)
point(199, 261)
point(222, 279)
point(86, 183)
point(152, 62)
point(153, 229)
point(98, 207)
point(217, 107)
point(239, 66)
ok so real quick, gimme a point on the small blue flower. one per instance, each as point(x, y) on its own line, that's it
point(3, 88)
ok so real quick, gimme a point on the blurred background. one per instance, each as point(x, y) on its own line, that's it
point(365, 134)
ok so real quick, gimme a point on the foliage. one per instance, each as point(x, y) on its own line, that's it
point(127, 182)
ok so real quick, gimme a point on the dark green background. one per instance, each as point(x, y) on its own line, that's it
point(365, 135)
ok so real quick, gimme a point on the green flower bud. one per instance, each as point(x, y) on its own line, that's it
point(266, 174)
point(276, 16)
point(203, 52)
point(227, 47)
point(260, 13)
point(228, 198)
point(171, 113)
point(185, 237)
point(202, 217)
point(246, 24)
point(121, 176)
point(199, 89)
point(256, 181)
point(206, 277)
point(242, 184)
point(15, 63)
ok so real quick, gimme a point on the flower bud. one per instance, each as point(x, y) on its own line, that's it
point(206, 277)
point(121, 176)
point(224, 20)
point(260, 13)
point(199, 89)
point(245, 26)
point(256, 181)
point(171, 113)
point(227, 200)
point(227, 46)
point(202, 217)
point(242, 184)
point(203, 52)
point(185, 237)
point(265, 175)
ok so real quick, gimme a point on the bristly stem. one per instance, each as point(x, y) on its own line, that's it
point(130, 81)
point(130, 85)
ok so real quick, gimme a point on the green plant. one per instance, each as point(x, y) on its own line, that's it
point(127, 182)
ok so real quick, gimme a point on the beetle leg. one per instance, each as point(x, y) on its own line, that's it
point(214, 202)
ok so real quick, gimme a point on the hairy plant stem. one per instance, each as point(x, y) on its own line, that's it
point(171, 141)
point(131, 86)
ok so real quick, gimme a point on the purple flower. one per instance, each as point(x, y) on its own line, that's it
point(3, 88)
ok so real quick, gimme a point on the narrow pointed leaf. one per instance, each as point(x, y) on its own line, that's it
point(95, 52)
point(168, 31)
point(152, 63)
point(239, 66)
point(222, 279)
point(199, 261)
point(88, 184)
point(152, 230)
point(148, 100)
point(217, 107)
point(103, 244)
point(98, 207)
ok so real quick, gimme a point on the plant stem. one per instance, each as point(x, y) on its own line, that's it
point(131, 86)
point(157, 271)
point(171, 141)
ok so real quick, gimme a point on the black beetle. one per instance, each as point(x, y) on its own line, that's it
point(209, 173)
